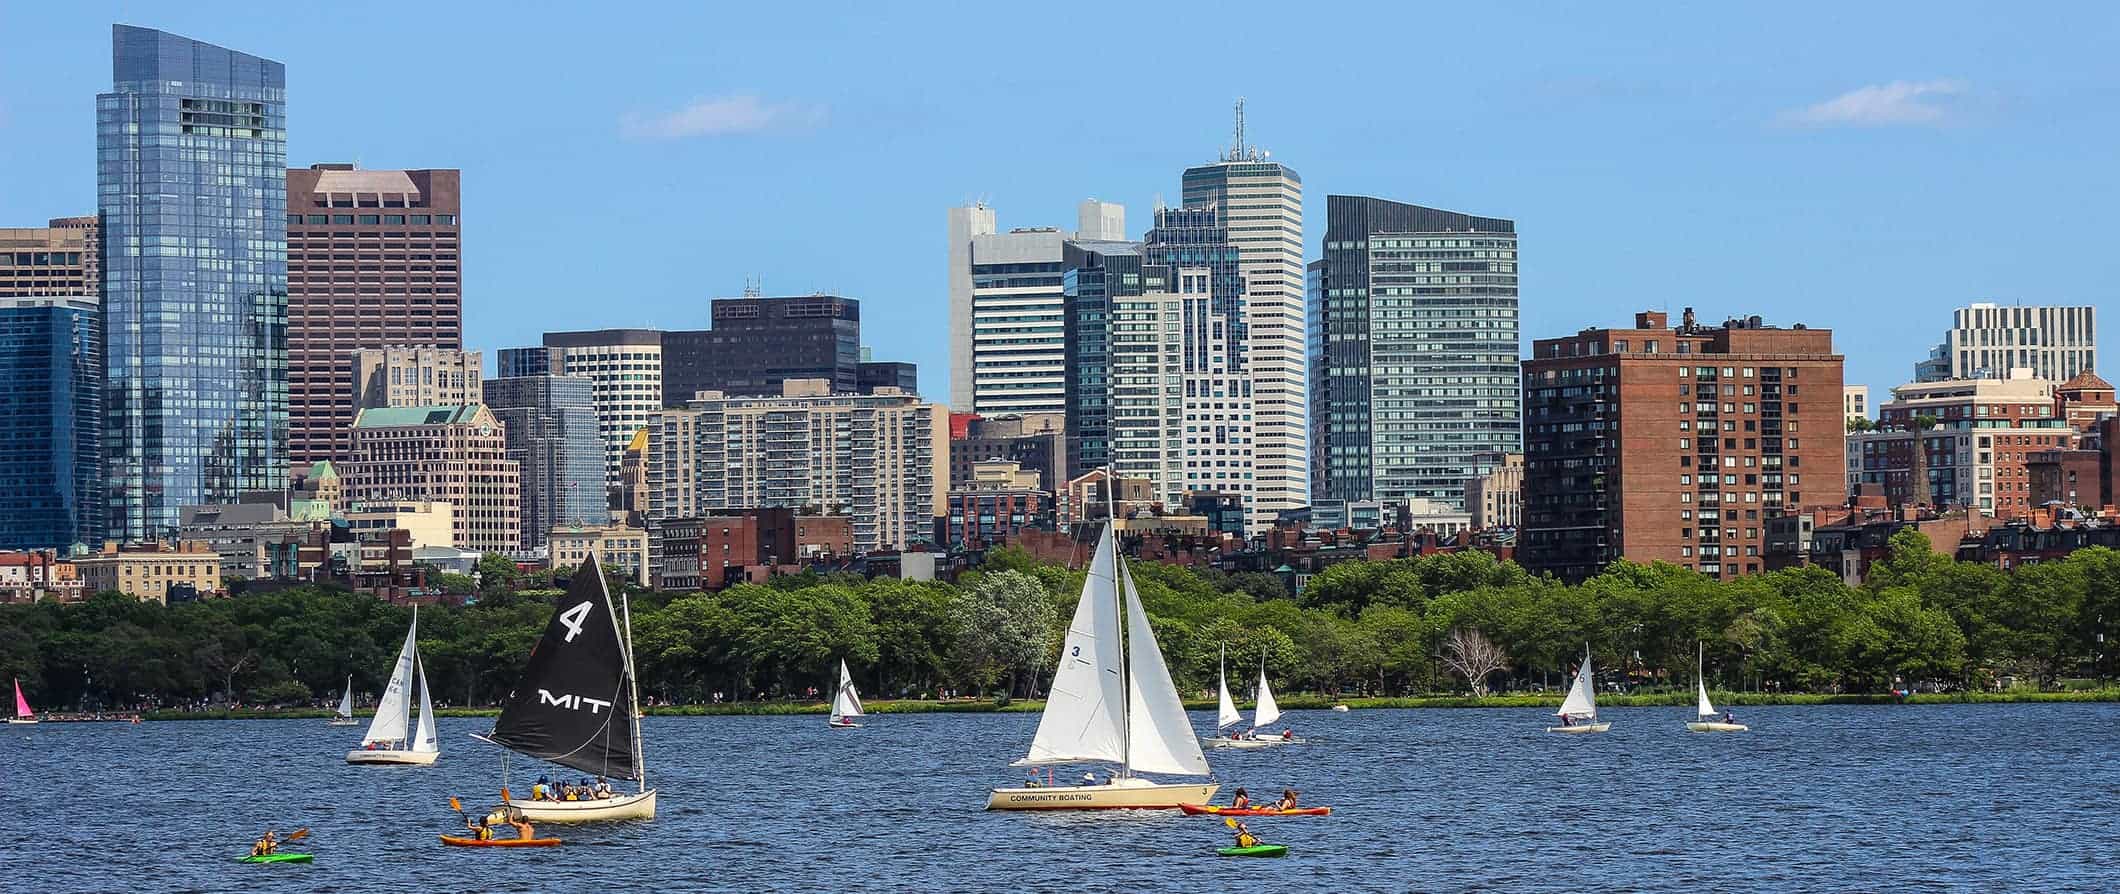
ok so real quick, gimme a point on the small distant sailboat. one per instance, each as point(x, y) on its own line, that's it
point(23, 715)
point(1578, 712)
point(1267, 711)
point(846, 703)
point(1704, 715)
point(344, 715)
point(386, 742)
point(1227, 716)
point(1112, 701)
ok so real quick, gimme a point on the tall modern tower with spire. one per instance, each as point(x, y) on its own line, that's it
point(1261, 203)
point(191, 185)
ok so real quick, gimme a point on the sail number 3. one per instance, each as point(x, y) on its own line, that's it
point(572, 620)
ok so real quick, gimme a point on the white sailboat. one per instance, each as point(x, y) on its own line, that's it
point(1704, 714)
point(1112, 702)
point(846, 703)
point(386, 741)
point(1578, 712)
point(344, 715)
point(578, 705)
point(1227, 715)
point(1267, 711)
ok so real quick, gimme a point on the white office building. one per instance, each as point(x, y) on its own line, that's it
point(1986, 341)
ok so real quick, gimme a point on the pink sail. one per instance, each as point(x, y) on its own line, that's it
point(21, 704)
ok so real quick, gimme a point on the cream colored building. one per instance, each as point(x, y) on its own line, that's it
point(455, 454)
point(1855, 402)
point(430, 522)
point(416, 377)
point(1496, 500)
point(149, 571)
point(624, 550)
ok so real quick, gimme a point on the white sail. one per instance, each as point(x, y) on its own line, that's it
point(1700, 680)
point(1706, 707)
point(1227, 714)
point(1159, 735)
point(1083, 709)
point(391, 710)
point(1582, 698)
point(425, 740)
point(845, 702)
point(346, 703)
point(1267, 711)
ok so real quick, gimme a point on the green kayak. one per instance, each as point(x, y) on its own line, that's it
point(278, 858)
point(1256, 850)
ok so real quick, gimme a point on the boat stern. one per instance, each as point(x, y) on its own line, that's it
point(1132, 794)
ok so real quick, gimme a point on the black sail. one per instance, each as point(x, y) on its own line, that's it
point(574, 704)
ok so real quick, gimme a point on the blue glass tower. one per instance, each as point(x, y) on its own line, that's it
point(551, 430)
point(191, 182)
point(51, 417)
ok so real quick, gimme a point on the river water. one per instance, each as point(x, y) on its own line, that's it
point(1943, 798)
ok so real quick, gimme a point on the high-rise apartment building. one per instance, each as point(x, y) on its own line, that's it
point(1414, 385)
point(457, 455)
point(374, 261)
point(1008, 344)
point(758, 342)
point(1261, 205)
point(1986, 341)
point(191, 184)
point(1675, 444)
point(54, 261)
point(415, 377)
point(51, 422)
point(627, 368)
point(1095, 273)
point(882, 459)
point(550, 425)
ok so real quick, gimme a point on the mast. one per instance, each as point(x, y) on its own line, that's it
point(1126, 680)
point(632, 683)
point(412, 730)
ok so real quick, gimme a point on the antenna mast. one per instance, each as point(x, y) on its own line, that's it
point(1236, 146)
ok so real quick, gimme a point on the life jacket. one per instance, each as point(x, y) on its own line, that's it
point(1246, 839)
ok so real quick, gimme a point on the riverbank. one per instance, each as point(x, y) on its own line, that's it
point(1292, 702)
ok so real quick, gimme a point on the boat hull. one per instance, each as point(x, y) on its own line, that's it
point(21, 721)
point(640, 805)
point(1218, 742)
point(1256, 850)
point(278, 858)
point(842, 724)
point(1137, 796)
point(1704, 727)
point(468, 841)
point(1220, 810)
point(392, 757)
point(1580, 729)
point(344, 721)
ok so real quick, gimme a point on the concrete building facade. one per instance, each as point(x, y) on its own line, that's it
point(416, 377)
point(1987, 341)
point(1008, 344)
point(626, 368)
point(1496, 499)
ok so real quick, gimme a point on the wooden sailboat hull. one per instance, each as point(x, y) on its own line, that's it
point(640, 805)
point(1134, 795)
point(392, 756)
point(1581, 728)
point(1716, 727)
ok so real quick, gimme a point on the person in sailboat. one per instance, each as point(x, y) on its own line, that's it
point(1288, 734)
point(1729, 717)
point(1031, 781)
point(1241, 800)
point(541, 791)
point(603, 789)
point(1088, 779)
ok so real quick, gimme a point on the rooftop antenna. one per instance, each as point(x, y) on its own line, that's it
point(1236, 146)
point(752, 287)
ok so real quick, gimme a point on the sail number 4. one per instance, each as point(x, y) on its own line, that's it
point(572, 620)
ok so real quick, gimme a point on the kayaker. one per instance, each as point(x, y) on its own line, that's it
point(1245, 838)
point(521, 824)
point(1241, 801)
point(1288, 800)
point(266, 846)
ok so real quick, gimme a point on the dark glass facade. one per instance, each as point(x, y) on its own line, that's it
point(1095, 273)
point(757, 343)
point(51, 423)
point(191, 183)
point(551, 430)
point(874, 374)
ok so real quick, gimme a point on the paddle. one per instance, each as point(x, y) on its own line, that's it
point(459, 808)
point(296, 835)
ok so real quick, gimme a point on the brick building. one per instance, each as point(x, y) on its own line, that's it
point(1960, 443)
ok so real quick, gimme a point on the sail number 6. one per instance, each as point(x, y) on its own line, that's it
point(572, 619)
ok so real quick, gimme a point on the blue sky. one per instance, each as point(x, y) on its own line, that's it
point(1862, 167)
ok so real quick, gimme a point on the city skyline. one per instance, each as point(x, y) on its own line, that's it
point(1743, 170)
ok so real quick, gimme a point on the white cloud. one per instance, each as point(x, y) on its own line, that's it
point(737, 113)
point(1916, 103)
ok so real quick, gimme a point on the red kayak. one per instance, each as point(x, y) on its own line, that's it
point(1219, 810)
point(463, 841)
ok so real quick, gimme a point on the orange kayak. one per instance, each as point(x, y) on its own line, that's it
point(1219, 810)
point(463, 841)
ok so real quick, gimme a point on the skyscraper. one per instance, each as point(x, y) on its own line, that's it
point(550, 425)
point(191, 183)
point(1261, 205)
point(415, 377)
point(1414, 384)
point(51, 422)
point(373, 261)
point(1008, 340)
point(626, 366)
point(759, 342)
point(1986, 341)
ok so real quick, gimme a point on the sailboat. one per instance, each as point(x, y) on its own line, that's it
point(1267, 711)
point(344, 715)
point(23, 715)
point(577, 705)
point(1704, 714)
point(1227, 715)
point(1112, 702)
point(846, 703)
point(1579, 710)
point(386, 742)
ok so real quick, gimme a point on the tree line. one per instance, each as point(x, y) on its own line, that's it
point(1357, 628)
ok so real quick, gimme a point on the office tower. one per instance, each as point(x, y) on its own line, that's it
point(1675, 445)
point(874, 374)
point(54, 261)
point(51, 422)
point(1986, 341)
point(1008, 344)
point(626, 366)
point(758, 343)
point(415, 377)
point(1960, 443)
point(191, 183)
point(550, 425)
point(1414, 385)
point(1261, 204)
point(882, 460)
point(1099, 220)
point(374, 260)
point(457, 455)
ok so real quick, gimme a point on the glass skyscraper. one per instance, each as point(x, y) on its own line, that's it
point(51, 417)
point(550, 424)
point(191, 183)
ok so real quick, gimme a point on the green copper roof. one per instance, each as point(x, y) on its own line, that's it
point(323, 470)
point(381, 417)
